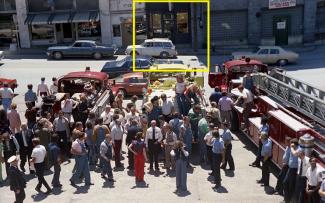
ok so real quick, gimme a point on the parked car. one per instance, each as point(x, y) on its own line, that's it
point(269, 55)
point(169, 61)
point(81, 48)
point(131, 84)
point(158, 47)
point(117, 68)
point(1, 55)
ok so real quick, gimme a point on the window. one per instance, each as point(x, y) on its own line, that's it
point(167, 44)
point(42, 32)
point(148, 44)
point(264, 51)
point(89, 29)
point(7, 5)
point(182, 22)
point(116, 31)
point(63, 5)
point(145, 64)
point(133, 80)
point(86, 44)
point(157, 44)
point(156, 23)
point(39, 5)
point(77, 44)
point(274, 51)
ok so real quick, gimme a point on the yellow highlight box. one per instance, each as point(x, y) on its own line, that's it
point(207, 69)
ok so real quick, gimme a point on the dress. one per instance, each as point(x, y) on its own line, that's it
point(138, 146)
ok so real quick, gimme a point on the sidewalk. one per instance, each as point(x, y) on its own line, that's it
point(222, 50)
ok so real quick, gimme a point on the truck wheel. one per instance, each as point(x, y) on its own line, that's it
point(234, 121)
point(164, 55)
point(97, 55)
point(57, 55)
point(282, 62)
point(121, 91)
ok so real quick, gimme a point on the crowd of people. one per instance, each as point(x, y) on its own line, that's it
point(161, 131)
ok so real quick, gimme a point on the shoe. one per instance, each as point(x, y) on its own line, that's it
point(111, 179)
point(216, 186)
point(72, 183)
point(48, 192)
point(211, 174)
point(150, 168)
point(259, 182)
point(38, 190)
point(157, 169)
point(89, 184)
point(57, 185)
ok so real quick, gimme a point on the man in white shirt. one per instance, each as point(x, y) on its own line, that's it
point(153, 139)
point(54, 87)
point(107, 115)
point(248, 103)
point(301, 181)
point(67, 106)
point(117, 137)
point(225, 106)
point(167, 107)
point(38, 156)
point(314, 180)
point(132, 115)
point(42, 88)
point(6, 95)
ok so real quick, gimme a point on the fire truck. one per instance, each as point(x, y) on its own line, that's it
point(295, 108)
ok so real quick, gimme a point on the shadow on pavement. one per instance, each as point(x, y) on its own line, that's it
point(39, 197)
point(81, 189)
point(142, 184)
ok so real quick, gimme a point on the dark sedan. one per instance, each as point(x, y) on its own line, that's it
point(117, 68)
point(81, 48)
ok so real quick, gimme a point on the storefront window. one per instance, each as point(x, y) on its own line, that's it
point(116, 31)
point(6, 30)
point(182, 23)
point(89, 29)
point(40, 5)
point(156, 23)
point(63, 5)
point(87, 5)
point(42, 32)
point(7, 5)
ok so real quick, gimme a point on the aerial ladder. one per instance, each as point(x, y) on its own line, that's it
point(292, 92)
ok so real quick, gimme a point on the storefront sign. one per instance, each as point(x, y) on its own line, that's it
point(126, 5)
point(281, 3)
point(281, 25)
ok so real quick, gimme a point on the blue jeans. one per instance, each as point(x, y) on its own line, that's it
point(91, 155)
point(181, 102)
point(181, 174)
point(6, 102)
point(82, 167)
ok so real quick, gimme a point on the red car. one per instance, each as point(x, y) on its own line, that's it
point(132, 84)
point(12, 83)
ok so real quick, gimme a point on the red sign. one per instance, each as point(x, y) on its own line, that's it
point(281, 3)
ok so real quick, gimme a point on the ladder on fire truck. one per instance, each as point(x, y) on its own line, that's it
point(295, 93)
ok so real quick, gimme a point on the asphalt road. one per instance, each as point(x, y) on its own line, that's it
point(237, 187)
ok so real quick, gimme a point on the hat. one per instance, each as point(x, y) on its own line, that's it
point(12, 159)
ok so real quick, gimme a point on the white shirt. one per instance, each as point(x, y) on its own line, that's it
point(54, 89)
point(225, 103)
point(132, 116)
point(43, 87)
point(248, 95)
point(67, 105)
point(305, 165)
point(180, 87)
point(39, 153)
point(23, 134)
point(208, 138)
point(314, 176)
point(6, 92)
point(166, 107)
point(107, 117)
point(158, 135)
point(117, 132)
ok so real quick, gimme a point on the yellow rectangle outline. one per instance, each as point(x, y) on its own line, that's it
point(170, 1)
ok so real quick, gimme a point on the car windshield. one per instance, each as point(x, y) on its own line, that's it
point(256, 50)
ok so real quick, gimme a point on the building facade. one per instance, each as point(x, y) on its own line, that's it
point(8, 30)
point(255, 22)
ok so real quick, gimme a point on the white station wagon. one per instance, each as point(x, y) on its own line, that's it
point(158, 47)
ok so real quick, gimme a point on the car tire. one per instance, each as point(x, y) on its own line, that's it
point(164, 55)
point(57, 55)
point(136, 53)
point(282, 62)
point(123, 91)
point(97, 56)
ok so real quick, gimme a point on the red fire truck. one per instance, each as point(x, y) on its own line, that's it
point(295, 108)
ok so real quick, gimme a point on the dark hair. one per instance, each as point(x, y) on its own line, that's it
point(215, 134)
point(78, 124)
point(161, 117)
point(54, 138)
point(217, 89)
point(89, 125)
point(100, 120)
point(54, 79)
point(264, 119)
point(42, 79)
point(294, 141)
point(115, 117)
point(30, 86)
point(36, 141)
point(224, 94)
point(139, 135)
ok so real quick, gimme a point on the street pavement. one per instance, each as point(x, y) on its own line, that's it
point(238, 187)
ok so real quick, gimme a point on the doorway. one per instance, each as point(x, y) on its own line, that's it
point(126, 34)
point(281, 26)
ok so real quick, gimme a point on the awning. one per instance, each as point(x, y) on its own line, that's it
point(60, 18)
point(36, 19)
point(79, 17)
